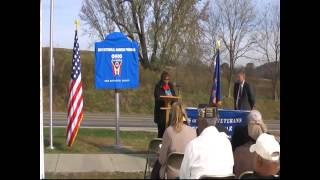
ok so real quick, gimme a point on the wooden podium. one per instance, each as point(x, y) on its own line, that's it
point(167, 105)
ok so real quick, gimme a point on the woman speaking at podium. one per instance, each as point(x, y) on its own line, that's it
point(162, 88)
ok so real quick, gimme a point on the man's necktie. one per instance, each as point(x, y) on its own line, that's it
point(239, 95)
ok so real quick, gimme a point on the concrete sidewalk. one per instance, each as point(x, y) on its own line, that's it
point(72, 163)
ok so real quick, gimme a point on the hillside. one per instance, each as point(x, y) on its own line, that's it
point(264, 70)
point(194, 81)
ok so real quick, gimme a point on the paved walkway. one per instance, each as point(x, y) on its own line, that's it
point(66, 163)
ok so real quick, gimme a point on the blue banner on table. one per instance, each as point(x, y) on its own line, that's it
point(232, 118)
point(117, 63)
point(192, 113)
point(228, 118)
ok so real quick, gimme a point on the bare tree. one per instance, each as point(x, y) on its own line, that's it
point(162, 27)
point(179, 35)
point(267, 40)
point(209, 38)
point(234, 21)
point(129, 18)
point(97, 25)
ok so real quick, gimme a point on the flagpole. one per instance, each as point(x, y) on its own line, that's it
point(218, 44)
point(41, 102)
point(51, 57)
point(117, 145)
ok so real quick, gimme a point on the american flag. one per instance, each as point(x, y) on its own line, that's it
point(75, 103)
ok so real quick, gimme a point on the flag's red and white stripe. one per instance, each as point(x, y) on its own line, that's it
point(75, 109)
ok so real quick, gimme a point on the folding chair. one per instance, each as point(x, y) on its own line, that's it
point(250, 175)
point(174, 161)
point(245, 174)
point(153, 151)
point(230, 176)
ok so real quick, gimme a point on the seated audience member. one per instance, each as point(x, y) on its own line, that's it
point(221, 128)
point(175, 139)
point(240, 136)
point(208, 154)
point(266, 158)
point(209, 112)
point(243, 159)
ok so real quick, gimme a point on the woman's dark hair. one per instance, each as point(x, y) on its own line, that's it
point(164, 74)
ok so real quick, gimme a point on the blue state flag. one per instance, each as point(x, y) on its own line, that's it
point(215, 96)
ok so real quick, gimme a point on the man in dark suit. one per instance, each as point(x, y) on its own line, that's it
point(242, 93)
point(243, 100)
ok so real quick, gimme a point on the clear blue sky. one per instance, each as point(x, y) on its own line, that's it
point(66, 11)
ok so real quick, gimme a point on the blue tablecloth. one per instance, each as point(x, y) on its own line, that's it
point(228, 118)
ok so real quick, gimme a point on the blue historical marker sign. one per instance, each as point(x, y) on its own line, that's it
point(117, 63)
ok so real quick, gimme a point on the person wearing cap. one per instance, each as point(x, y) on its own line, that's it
point(175, 139)
point(266, 158)
point(208, 154)
point(243, 159)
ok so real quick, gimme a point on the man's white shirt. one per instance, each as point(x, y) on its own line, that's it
point(208, 154)
point(238, 95)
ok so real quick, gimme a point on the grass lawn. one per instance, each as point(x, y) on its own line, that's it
point(96, 175)
point(99, 141)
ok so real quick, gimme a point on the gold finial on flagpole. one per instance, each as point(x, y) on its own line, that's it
point(218, 44)
point(77, 23)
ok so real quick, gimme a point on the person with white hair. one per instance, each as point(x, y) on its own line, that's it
point(208, 154)
point(243, 159)
point(266, 160)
